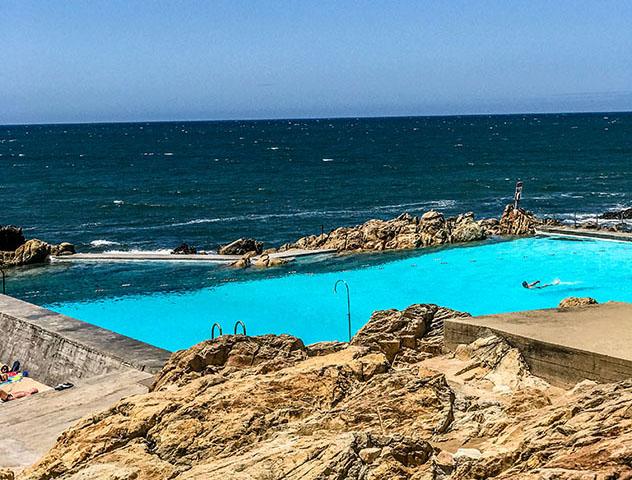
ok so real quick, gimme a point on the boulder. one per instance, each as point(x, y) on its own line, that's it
point(400, 332)
point(11, 238)
point(63, 248)
point(617, 214)
point(243, 262)
point(33, 251)
point(517, 222)
point(465, 229)
point(572, 302)
point(241, 247)
point(265, 261)
point(230, 351)
point(184, 249)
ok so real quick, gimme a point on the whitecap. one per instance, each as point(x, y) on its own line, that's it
point(103, 243)
point(167, 154)
point(118, 202)
point(328, 159)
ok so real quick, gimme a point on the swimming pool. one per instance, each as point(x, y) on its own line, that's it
point(479, 279)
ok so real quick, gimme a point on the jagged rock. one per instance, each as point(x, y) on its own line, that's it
point(184, 249)
point(465, 229)
point(617, 214)
point(6, 475)
point(571, 302)
point(243, 262)
point(325, 348)
point(11, 238)
point(266, 408)
point(63, 248)
point(33, 251)
point(517, 222)
point(265, 261)
point(398, 332)
point(230, 351)
point(241, 247)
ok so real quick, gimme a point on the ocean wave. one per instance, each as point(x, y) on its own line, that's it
point(320, 213)
point(103, 243)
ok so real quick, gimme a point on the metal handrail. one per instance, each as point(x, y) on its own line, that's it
point(243, 325)
point(348, 303)
point(4, 287)
point(213, 330)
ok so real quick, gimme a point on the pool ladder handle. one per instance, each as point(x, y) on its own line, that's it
point(348, 303)
point(219, 327)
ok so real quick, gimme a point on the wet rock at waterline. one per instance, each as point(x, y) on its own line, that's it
point(11, 238)
point(241, 246)
point(184, 249)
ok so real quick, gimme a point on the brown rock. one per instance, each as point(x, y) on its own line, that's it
point(33, 251)
point(241, 247)
point(571, 302)
point(63, 248)
point(517, 222)
point(11, 238)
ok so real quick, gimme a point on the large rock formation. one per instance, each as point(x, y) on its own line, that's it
point(35, 251)
point(517, 222)
point(403, 232)
point(241, 246)
point(10, 238)
point(573, 302)
point(270, 408)
point(16, 250)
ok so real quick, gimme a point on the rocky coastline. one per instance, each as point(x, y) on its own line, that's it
point(390, 404)
point(16, 250)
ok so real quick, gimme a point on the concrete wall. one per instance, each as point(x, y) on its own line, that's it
point(55, 348)
point(559, 364)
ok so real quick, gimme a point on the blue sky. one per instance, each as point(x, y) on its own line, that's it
point(93, 60)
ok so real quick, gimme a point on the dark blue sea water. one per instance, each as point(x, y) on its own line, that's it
point(150, 186)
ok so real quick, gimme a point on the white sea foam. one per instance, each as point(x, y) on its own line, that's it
point(328, 159)
point(118, 202)
point(103, 243)
point(135, 250)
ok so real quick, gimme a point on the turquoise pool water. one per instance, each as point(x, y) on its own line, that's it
point(480, 279)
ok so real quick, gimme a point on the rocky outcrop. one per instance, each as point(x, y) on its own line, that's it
point(35, 251)
point(517, 222)
point(572, 302)
point(184, 249)
point(11, 238)
point(266, 261)
point(241, 247)
point(15, 250)
point(409, 334)
point(625, 213)
point(266, 408)
point(403, 232)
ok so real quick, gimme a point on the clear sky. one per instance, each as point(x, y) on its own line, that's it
point(121, 60)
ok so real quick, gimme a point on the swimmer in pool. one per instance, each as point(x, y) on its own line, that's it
point(536, 284)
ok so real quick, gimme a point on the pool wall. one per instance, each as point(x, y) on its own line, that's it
point(561, 346)
point(55, 348)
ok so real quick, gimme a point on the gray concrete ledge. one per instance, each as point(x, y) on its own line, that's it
point(562, 231)
point(167, 257)
point(57, 348)
point(562, 346)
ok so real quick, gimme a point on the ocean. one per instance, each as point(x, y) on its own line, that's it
point(151, 186)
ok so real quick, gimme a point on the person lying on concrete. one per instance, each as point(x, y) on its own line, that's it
point(4, 373)
point(7, 397)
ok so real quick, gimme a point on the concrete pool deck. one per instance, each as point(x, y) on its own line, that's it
point(168, 257)
point(562, 346)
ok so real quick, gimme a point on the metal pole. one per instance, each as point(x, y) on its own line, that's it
point(243, 325)
point(4, 288)
point(348, 304)
point(213, 330)
point(322, 230)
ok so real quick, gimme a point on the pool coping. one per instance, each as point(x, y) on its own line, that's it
point(54, 327)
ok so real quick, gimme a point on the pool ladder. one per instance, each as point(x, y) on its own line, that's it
point(219, 328)
point(4, 287)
